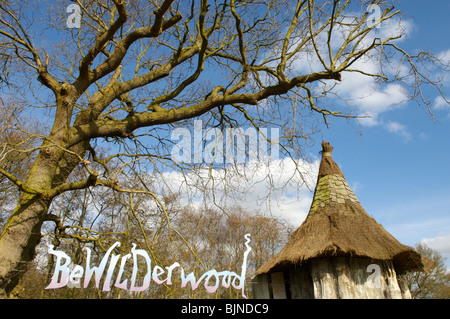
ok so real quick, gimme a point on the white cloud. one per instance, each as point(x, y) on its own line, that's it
point(399, 129)
point(444, 58)
point(371, 101)
point(356, 187)
point(359, 91)
point(440, 103)
point(395, 26)
point(441, 244)
point(275, 187)
point(424, 136)
point(364, 92)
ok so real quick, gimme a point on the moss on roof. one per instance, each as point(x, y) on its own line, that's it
point(337, 225)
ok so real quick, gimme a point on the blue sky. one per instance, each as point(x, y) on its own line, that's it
point(400, 168)
point(398, 163)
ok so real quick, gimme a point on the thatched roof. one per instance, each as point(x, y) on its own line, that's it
point(337, 225)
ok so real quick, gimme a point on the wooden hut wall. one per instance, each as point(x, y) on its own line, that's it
point(333, 278)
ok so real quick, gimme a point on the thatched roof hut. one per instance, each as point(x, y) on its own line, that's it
point(338, 237)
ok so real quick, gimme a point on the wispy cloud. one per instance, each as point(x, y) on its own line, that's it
point(399, 129)
point(361, 90)
point(418, 218)
point(282, 188)
point(440, 243)
point(444, 58)
point(440, 104)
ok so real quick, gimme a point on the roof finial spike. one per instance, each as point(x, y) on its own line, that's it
point(326, 148)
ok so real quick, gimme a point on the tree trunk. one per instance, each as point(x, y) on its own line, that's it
point(51, 169)
point(19, 239)
point(22, 232)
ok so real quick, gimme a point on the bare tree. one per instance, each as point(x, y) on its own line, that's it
point(134, 70)
point(17, 146)
point(216, 239)
point(434, 284)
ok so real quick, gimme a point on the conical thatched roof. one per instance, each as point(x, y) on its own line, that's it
point(338, 225)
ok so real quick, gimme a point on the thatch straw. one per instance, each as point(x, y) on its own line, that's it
point(338, 225)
